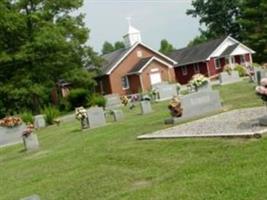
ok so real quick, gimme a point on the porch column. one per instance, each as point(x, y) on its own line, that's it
point(141, 82)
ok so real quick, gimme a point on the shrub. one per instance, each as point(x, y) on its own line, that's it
point(227, 68)
point(78, 97)
point(97, 100)
point(198, 80)
point(241, 70)
point(50, 114)
point(256, 65)
point(27, 117)
point(64, 105)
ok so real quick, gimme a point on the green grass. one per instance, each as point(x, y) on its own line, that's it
point(109, 163)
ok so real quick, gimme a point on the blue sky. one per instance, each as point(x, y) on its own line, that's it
point(156, 19)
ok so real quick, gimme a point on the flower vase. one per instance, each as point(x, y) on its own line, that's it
point(84, 123)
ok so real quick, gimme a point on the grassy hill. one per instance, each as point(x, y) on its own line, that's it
point(109, 163)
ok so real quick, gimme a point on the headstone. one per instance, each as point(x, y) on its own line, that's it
point(166, 91)
point(145, 107)
point(206, 87)
point(112, 101)
point(197, 104)
point(31, 142)
point(117, 115)
point(259, 74)
point(39, 121)
point(11, 135)
point(33, 197)
point(96, 117)
point(226, 78)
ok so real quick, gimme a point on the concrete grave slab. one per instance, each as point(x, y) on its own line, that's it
point(236, 123)
point(10, 136)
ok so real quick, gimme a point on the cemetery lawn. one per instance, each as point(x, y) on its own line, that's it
point(109, 163)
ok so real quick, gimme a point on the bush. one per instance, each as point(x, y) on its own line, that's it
point(64, 105)
point(241, 70)
point(97, 100)
point(50, 114)
point(78, 97)
point(26, 117)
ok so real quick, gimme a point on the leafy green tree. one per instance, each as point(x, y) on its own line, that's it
point(165, 47)
point(197, 40)
point(107, 48)
point(40, 41)
point(219, 17)
point(253, 21)
point(119, 45)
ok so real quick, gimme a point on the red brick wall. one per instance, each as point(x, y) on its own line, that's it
point(167, 74)
point(126, 65)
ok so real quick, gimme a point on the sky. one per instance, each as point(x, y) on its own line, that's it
point(156, 19)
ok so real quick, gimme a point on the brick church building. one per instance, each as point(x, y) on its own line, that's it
point(137, 67)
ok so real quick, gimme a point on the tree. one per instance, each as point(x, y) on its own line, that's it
point(253, 21)
point(109, 47)
point(39, 42)
point(197, 40)
point(119, 45)
point(219, 17)
point(165, 47)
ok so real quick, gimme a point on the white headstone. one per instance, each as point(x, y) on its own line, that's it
point(145, 107)
point(39, 121)
point(96, 117)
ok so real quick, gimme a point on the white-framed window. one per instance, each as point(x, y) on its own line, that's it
point(184, 70)
point(125, 83)
point(196, 68)
point(139, 54)
point(218, 63)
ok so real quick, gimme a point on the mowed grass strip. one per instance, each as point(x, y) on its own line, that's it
point(109, 163)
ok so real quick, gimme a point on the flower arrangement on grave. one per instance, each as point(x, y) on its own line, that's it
point(10, 122)
point(28, 131)
point(228, 69)
point(262, 90)
point(124, 100)
point(80, 113)
point(198, 80)
point(175, 107)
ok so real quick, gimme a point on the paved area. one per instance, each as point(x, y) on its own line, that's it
point(243, 122)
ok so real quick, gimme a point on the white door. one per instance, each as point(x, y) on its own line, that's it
point(155, 78)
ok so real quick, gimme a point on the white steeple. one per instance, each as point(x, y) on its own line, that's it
point(133, 36)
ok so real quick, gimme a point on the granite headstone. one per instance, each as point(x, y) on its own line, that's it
point(31, 142)
point(197, 104)
point(117, 115)
point(226, 78)
point(145, 107)
point(166, 91)
point(39, 121)
point(96, 117)
point(11, 135)
point(113, 101)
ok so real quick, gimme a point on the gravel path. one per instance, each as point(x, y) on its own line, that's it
point(234, 123)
